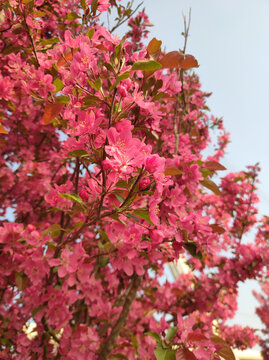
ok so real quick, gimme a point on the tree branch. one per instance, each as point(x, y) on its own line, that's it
point(108, 345)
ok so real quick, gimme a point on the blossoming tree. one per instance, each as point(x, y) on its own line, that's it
point(263, 297)
point(102, 145)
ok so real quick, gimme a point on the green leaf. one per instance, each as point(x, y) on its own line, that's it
point(90, 33)
point(164, 354)
point(35, 311)
point(39, 13)
point(58, 84)
point(63, 99)
point(52, 228)
point(77, 153)
point(143, 214)
point(11, 49)
point(108, 66)
point(104, 235)
point(83, 4)
point(131, 216)
point(121, 77)
point(135, 344)
point(205, 172)
point(94, 6)
point(122, 184)
point(50, 245)
point(103, 261)
point(146, 65)
point(118, 48)
point(119, 197)
point(73, 197)
point(98, 84)
point(119, 356)
point(49, 41)
point(171, 333)
point(192, 249)
point(72, 16)
point(78, 224)
point(89, 101)
point(155, 335)
point(158, 96)
point(116, 217)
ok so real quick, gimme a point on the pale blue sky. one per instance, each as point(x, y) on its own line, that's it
point(229, 38)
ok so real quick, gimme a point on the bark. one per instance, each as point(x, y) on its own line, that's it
point(108, 345)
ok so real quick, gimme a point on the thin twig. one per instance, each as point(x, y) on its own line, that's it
point(103, 190)
point(112, 107)
point(89, 173)
point(1, 31)
point(49, 331)
point(176, 124)
point(244, 222)
point(186, 30)
point(132, 188)
point(120, 22)
point(176, 127)
point(77, 174)
point(31, 39)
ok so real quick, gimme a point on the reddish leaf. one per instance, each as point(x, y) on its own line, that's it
point(225, 351)
point(217, 229)
point(3, 130)
point(67, 56)
point(177, 292)
point(194, 337)
point(51, 111)
point(194, 132)
point(214, 165)
point(153, 46)
point(147, 24)
point(2, 142)
point(21, 280)
point(211, 186)
point(172, 171)
point(168, 97)
point(185, 354)
point(177, 59)
point(102, 47)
